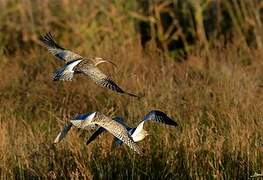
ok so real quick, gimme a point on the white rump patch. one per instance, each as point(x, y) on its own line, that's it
point(73, 64)
point(139, 129)
point(90, 117)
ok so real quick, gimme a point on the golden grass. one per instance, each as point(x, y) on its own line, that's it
point(216, 100)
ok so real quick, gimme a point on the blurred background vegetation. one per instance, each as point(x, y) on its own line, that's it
point(200, 61)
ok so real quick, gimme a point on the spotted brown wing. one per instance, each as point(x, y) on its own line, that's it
point(98, 76)
point(117, 130)
point(58, 51)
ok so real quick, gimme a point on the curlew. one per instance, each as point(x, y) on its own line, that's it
point(137, 133)
point(75, 63)
point(96, 119)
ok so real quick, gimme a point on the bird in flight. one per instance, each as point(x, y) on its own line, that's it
point(75, 63)
point(97, 119)
point(137, 133)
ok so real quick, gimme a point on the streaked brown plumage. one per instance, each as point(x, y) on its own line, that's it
point(137, 133)
point(92, 119)
point(78, 64)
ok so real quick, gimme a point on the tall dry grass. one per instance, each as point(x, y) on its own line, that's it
point(215, 95)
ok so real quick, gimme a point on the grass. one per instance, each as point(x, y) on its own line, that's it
point(214, 93)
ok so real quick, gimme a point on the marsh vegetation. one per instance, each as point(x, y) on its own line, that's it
point(201, 62)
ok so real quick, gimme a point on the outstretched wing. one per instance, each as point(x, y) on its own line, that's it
point(117, 130)
point(116, 141)
point(99, 77)
point(120, 120)
point(58, 51)
point(95, 135)
point(63, 133)
point(159, 116)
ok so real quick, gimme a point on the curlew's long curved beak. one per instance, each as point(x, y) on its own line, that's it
point(105, 61)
